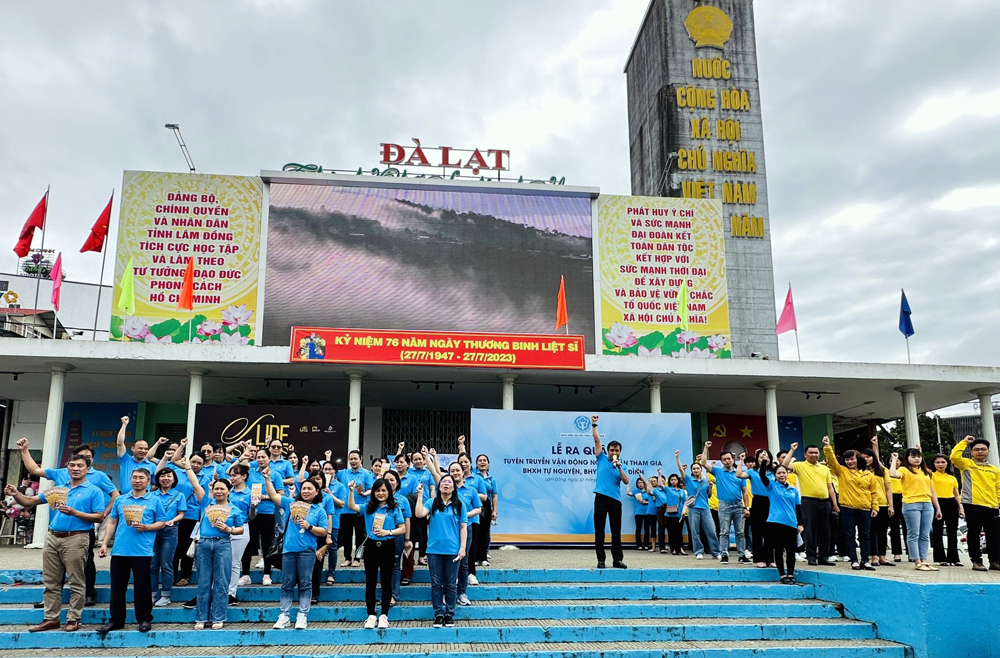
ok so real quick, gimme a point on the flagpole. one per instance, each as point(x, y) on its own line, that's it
point(38, 281)
point(100, 281)
point(797, 350)
point(55, 325)
point(908, 351)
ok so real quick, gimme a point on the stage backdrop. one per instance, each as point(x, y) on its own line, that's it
point(544, 466)
point(311, 430)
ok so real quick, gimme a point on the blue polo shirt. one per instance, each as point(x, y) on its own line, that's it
point(221, 468)
point(234, 520)
point(128, 540)
point(85, 498)
point(757, 487)
point(698, 489)
point(784, 499)
point(99, 479)
point(404, 505)
point(340, 491)
point(393, 518)
point(363, 479)
point(421, 476)
point(491, 485)
point(265, 506)
point(729, 488)
point(476, 482)
point(192, 512)
point(671, 497)
point(241, 499)
point(126, 464)
point(284, 467)
point(298, 539)
point(653, 496)
point(469, 500)
point(444, 529)
point(173, 502)
point(609, 480)
point(641, 501)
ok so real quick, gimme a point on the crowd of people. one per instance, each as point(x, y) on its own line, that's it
point(782, 511)
point(221, 506)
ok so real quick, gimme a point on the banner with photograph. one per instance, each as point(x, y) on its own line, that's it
point(544, 465)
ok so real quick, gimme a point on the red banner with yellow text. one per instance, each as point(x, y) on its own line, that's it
point(437, 348)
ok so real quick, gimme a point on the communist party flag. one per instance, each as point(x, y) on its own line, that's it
point(186, 300)
point(99, 231)
point(35, 220)
point(562, 317)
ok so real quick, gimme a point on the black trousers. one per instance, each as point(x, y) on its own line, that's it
point(352, 526)
point(482, 545)
point(758, 521)
point(182, 563)
point(640, 525)
point(781, 540)
point(123, 566)
point(949, 512)
point(816, 527)
point(608, 511)
point(979, 519)
point(897, 525)
point(472, 547)
point(380, 557)
point(418, 535)
point(673, 525)
point(261, 536)
point(880, 533)
point(90, 571)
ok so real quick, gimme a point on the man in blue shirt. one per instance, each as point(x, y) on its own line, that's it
point(352, 524)
point(60, 476)
point(140, 457)
point(608, 498)
point(135, 518)
point(65, 551)
point(733, 503)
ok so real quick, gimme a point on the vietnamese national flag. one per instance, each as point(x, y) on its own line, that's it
point(562, 317)
point(99, 231)
point(35, 220)
point(186, 300)
point(57, 276)
point(787, 320)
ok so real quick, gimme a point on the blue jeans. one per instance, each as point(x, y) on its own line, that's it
point(215, 564)
point(297, 568)
point(731, 514)
point(162, 568)
point(444, 590)
point(698, 520)
point(919, 517)
point(861, 520)
point(463, 567)
point(397, 569)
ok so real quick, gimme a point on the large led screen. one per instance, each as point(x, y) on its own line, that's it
point(387, 258)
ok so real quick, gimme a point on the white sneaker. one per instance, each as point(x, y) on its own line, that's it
point(831, 560)
point(243, 581)
point(301, 621)
point(266, 580)
point(163, 600)
point(283, 621)
point(383, 622)
point(748, 554)
point(800, 557)
point(473, 580)
point(699, 556)
point(485, 563)
point(260, 564)
point(371, 621)
point(845, 559)
point(463, 599)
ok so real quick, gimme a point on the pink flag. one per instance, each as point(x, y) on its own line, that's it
point(787, 320)
point(57, 276)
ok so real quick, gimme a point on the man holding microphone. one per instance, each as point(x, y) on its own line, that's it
point(608, 498)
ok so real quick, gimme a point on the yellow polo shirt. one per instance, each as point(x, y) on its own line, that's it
point(916, 486)
point(713, 500)
point(813, 479)
point(880, 492)
point(858, 489)
point(944, 485)
point(896, 484)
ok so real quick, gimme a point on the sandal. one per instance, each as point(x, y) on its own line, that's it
point(761, 565)
point(422, 561)
point(663, 551)
point(330, 580)
point(199, 626)
point(356, 563)
point(217, 626)
point(404, 581)
point(922, 567)
point(855, 566)
point(345, 563)
point(929, 567)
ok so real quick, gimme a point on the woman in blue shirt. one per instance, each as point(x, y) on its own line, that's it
point(447, 530)
point(489, 515)
point(473, 506)
point(262, 524)
point(784, 519)
point(240, 495)
point(671, 500)
point(334, 500)
point(759, 506)
point(641, 503)
point(174, 504)
point(652, 485)
point(214, 554)
point(383, 521)
point(403, 542)
point(298, 549)
point(699, 515)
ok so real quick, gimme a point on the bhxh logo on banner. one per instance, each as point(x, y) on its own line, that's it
point(582, 423)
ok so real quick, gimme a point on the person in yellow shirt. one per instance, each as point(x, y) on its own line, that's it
point(946, 487)
point(818, 502)
point(858, 502)
point(886, 509)
point(920, 505)
point(980, 498)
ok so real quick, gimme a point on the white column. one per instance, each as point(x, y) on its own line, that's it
point(771, 412)
point(195, 387)
point(910, 414)
point(50, 444)
point(354, 409)
point(508, 390)
point(986, 414)
point(654, 395)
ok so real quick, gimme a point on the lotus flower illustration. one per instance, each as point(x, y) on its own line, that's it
point(621, 336)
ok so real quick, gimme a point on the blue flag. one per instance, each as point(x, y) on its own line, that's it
point(905, 323)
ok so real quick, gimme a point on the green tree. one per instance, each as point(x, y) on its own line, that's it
point(895, 439)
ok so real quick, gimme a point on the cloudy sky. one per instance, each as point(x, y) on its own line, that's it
point(880, 120)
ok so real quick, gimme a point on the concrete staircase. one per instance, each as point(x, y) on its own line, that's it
point(533, 613)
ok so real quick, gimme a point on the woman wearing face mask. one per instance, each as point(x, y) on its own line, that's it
point(699, 514)
point(880, 524)
point(473, 505)
point(489, 515)
point(446, 539)
point(920, 505)
point(298, 551)
point(383, 521)
point(174, 504)
point(240, 495)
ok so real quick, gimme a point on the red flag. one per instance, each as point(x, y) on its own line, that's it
point(787, 320)
point(57, 276)
point(562, 317)
point(186, 300)
point(35, 220)
point(99, 231)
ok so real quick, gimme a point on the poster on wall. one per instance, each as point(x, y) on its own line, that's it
point(169, 218)
point(311, 431)
point(650, 250)
point(426, 259)
point(544, 466)
point(96, 425)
